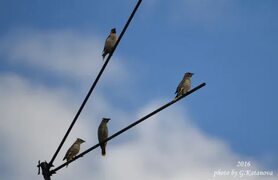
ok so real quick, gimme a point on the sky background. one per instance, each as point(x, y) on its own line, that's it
point(50, 53)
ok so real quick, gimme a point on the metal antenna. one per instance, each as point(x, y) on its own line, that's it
point(129, 126)
point(94, 84)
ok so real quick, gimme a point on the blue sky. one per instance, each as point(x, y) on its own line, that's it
point(53, 48)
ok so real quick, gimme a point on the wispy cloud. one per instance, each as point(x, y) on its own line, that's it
point(65, 53)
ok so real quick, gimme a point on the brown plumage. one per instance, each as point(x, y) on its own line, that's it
point(103, 134)
point(73, 150)
point(109, 43)
point(185, 84)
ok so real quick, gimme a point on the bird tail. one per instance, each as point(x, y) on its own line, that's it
point(103, 55)
point(103, 152)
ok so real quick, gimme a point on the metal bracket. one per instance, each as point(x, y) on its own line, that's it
point(44, 166)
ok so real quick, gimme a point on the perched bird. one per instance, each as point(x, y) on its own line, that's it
point(73, 150)
point(103, 134)
point(109, 43)
point(184, 85)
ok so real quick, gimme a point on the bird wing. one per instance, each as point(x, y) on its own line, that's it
point(102, 132)
point(106, 41)
point(179, 87)
point(67, 154)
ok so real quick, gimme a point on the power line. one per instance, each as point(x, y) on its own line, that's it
point(94, 84)
point(128, 127)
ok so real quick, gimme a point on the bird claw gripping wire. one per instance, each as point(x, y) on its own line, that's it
point(44, 166)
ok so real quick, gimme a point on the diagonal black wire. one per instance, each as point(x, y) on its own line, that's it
point(129, 126)
point(94, 84)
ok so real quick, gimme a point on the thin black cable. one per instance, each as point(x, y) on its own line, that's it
point(94, 84)
point(129, 126)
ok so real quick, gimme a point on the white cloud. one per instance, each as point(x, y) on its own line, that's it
point(168, 146)
point(33, 121)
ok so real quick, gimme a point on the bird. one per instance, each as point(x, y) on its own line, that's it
point(103, 134)
point(73, 150)
point(185, 84)
point(109, 43)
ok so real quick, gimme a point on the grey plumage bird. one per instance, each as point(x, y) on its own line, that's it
point(73, 150)
point(103, 134)
point(185, 84)
point(109, 43)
